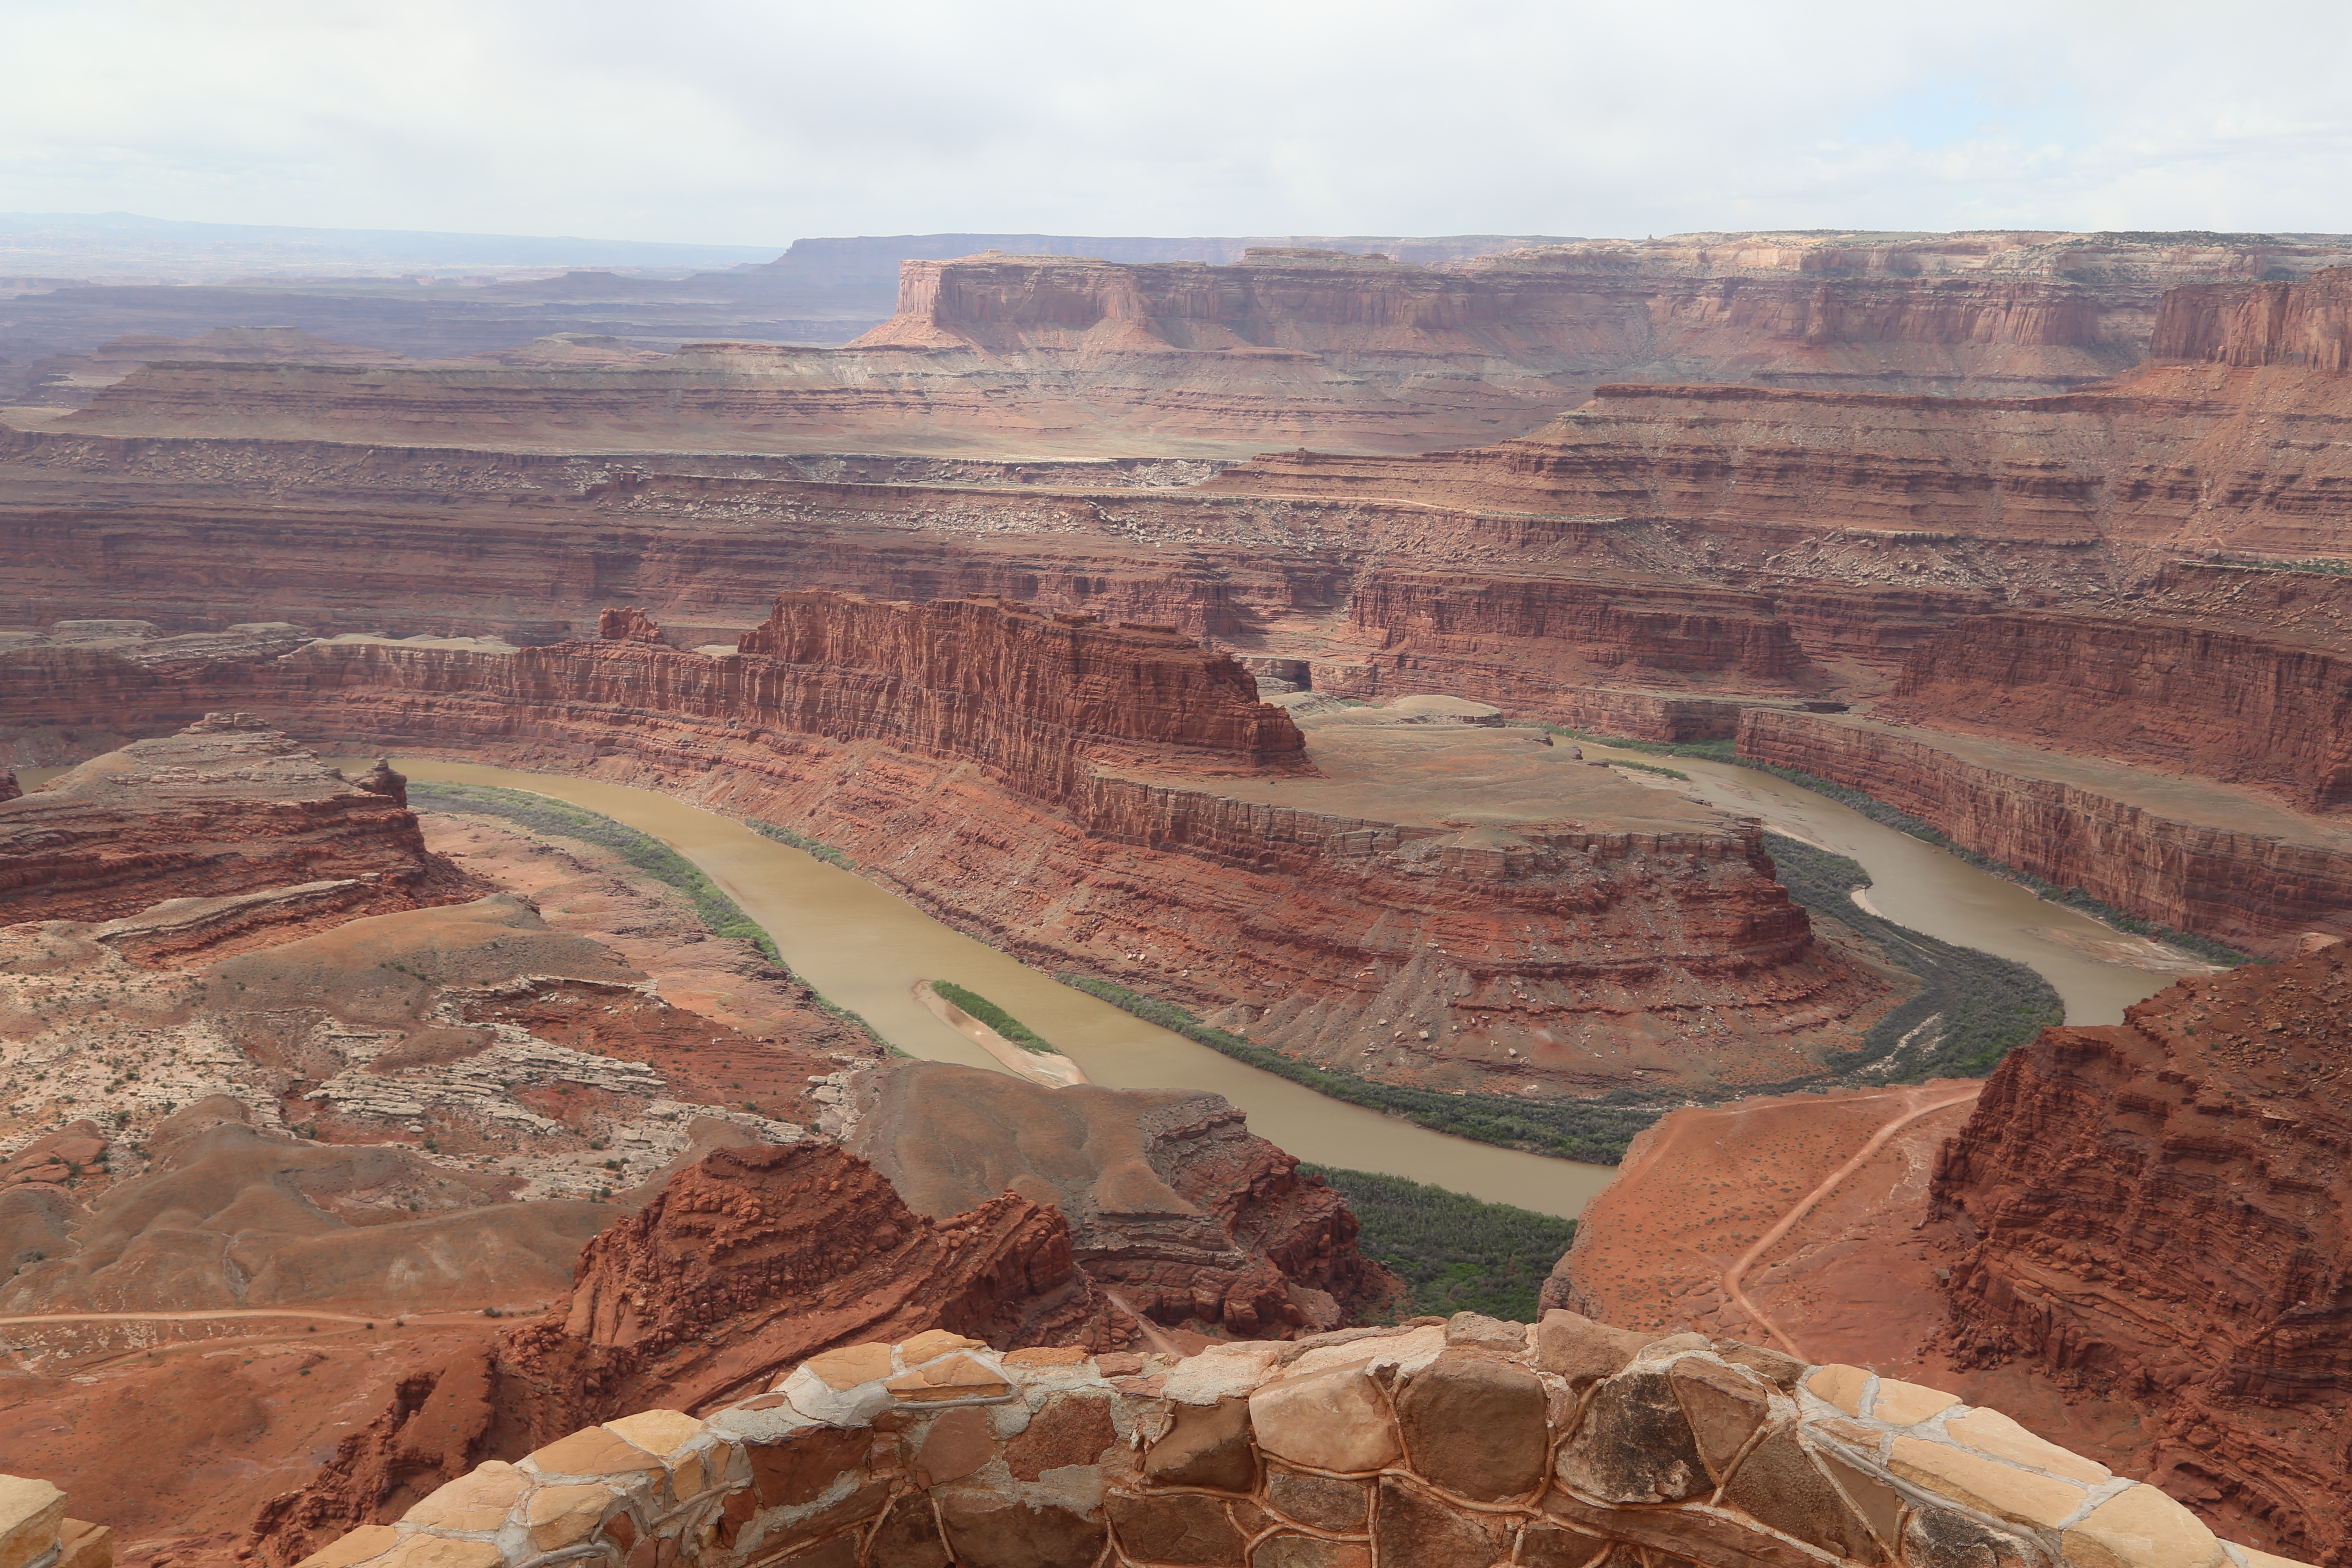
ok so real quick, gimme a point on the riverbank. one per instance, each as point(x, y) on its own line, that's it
point(865, 950)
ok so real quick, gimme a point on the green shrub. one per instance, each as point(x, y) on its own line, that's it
point(994, 1017)
point(802, 842)
point(1592, 1130)
point(1454, 1252)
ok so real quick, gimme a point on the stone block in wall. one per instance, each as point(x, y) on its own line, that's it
point(1634, 1444)
point(1474, 1422)
point(1460, 1445)
point(32, 1516)
point(82, 1544)
point(1582, 1350)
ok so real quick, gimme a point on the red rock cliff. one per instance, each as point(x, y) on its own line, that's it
point(229, 806)
point(2307, 324)
point(2254, 884)
point(2161, 1211)
point(963, 668)
point(2234, 701)
point(744, 1265)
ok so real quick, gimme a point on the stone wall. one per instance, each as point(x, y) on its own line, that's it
point(1460, 1444)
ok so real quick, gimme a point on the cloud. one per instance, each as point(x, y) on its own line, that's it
point(750, 122)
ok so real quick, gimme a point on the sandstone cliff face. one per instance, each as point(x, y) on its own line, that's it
point(949, 675)
point(2077, 491)
point(2306, 323)
point(2234, 701)
point(1525, 638)
point(744, 1265)
point(227, 807)
point(2158, 1210)
point(2255, 884)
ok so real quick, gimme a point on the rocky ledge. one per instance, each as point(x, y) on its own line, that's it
point(236, 824)
point(2155, 1212)
point(1442, 1444)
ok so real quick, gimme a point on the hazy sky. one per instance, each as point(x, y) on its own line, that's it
point(755, 122)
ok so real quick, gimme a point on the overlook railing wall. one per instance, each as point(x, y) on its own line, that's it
point(1462, 1444)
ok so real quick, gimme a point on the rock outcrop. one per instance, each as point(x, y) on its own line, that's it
point(1441, 1444)
point(2238, 697)
point(1175, 1206)
point(2157, 1212)
point(742, 1268)
point(2306, 323)
point(226, 808)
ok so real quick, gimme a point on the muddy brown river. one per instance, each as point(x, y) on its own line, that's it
point(867, 949)
point(2097, 969)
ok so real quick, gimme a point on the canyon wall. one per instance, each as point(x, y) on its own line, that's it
point(2077, 494)
point(224, 810)
point(1289, 345)
point(1442, 1444)
point(2256, 885)
point(2236, 699)
point(1204, 853)
point(2156, 1212)
point(2306, 323)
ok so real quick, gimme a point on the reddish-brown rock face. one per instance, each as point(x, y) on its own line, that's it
point(2307, 324)
point(628, 625)
point(744, 1265)
point(2236, 699)
point(758, 1257)
point(2158, 1212)
point(2228, 865)
point(227, 807)
point(956, 675)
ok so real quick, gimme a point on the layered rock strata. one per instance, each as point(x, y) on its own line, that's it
point(2245, 696)
point(2155, 1211)
point(1291, 344)
point(1173, 1206)
point(744, 1265)
point(2223, 862)
point(225, 809)
point(2306, 323)
point(2065, 494)
point(1461, 1443)
point(1552, 925)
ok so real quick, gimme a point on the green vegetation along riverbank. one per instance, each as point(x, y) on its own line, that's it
point(994, 1017)
point(720, 915)
point(1453, 1253)
point(1972, 1006)
point(1593, 1130)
